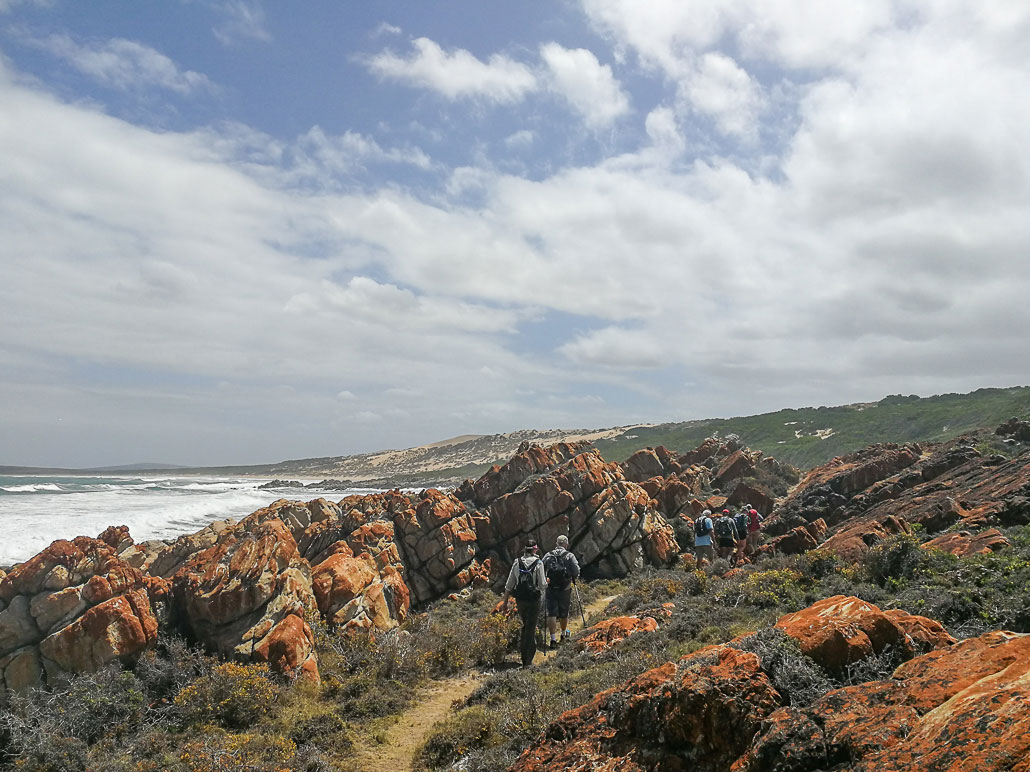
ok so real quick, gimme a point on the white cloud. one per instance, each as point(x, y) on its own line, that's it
point(314, 159)
point(663, 132)
point(587, 85)
point(386, 29)
point(668, 34)
point(616, 347)
point(879, 247)
point(521, 138)
point(403, 391)
point(346, 395)
point(9, 5)
point(124, 64)
point(456, 74)
point(725, 92)
point(242, 20)
point(343, 152)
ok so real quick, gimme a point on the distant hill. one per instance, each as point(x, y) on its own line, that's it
point(140, 467)
point(439, 462)
point(810, 436)
point(804, 437)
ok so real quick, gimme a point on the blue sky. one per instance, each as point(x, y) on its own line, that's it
point(234, 231)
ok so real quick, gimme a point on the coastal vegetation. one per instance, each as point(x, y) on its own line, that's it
point(181, 710)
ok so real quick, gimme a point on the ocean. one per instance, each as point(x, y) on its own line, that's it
point(34, 511)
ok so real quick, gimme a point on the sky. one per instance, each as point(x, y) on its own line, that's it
point(235, 231)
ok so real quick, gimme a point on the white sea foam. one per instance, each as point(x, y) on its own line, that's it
point(35, 513)
point(31, 488)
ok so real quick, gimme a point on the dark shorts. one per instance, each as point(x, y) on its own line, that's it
point(726, 543)
point(558, 602)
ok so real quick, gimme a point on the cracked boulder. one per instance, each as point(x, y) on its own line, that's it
point(245, 597)
point(74, 607)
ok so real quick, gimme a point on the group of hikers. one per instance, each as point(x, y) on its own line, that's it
point(735, 535)
point(534, 582)
point(548, 582)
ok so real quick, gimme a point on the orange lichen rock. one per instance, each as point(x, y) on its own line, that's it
point(961, 708)
point(74, 607)
point(707, 707)
point(842, 630)
point(237, 597)
point(609, 632)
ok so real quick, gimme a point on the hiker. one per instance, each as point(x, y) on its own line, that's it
point(526, 584)
point(561, 569)
point(703, 538)
point(725, 532)
point(741, 520)
point(754, 527)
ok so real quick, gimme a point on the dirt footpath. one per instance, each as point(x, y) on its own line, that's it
point(401, 739)
point(404, 737)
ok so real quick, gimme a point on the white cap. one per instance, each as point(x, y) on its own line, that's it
point(562, 540)
point(706, 513)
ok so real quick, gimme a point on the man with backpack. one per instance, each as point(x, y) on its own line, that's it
point(703, 538)
point(526, 583)
point(561, 569)
point(740, 524)
point(725, 532)
point(754, 527)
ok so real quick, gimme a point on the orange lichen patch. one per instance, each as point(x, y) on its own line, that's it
point(707, 708)
point(606, 634)
point(965, 543)
point(841, 630)
point(288, 646)
point(958, 708)
point(117, 628)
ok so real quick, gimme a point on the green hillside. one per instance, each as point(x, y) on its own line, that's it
point(808, 437)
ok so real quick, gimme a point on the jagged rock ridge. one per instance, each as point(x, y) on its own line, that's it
point(243, 589)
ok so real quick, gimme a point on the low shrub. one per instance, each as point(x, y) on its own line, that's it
point(820, 563)
point(53, 728)
point(894, 560)
point(798, 679)
point(775, 588)
point(467, 730)
point(219, 752)
point(454, 640)
point(232, 695)
point(172, 664)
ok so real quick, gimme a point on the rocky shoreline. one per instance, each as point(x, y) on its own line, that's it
point(244, 589)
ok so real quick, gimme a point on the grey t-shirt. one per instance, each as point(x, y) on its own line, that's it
point(526, 562)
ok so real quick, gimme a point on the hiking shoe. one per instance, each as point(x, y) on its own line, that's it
point(553, 644)
point(565, 636)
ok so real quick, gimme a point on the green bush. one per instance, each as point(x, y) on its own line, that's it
point(220, 752)
point(820, 563)
point(798, 679)
point(54, 727)
point(469, 729)
point(894, 560)
point(172, 664)
point(232, 695)
point(775, 588)
point(457, 635)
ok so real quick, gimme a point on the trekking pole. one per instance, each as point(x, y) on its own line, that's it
point(579, 600)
